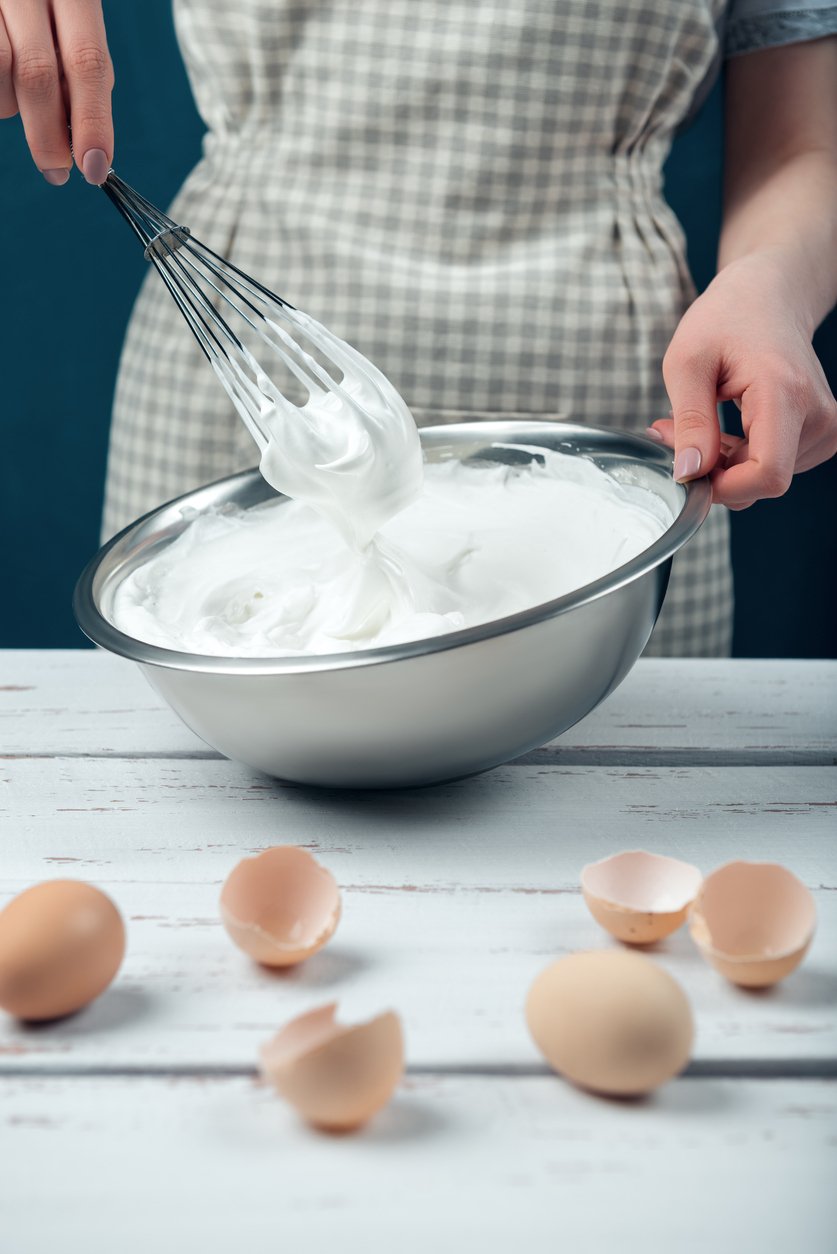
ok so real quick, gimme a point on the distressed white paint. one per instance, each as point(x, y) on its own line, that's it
point(522, 826)
point(456, 966)
point(454, 896)
point(84, 701)
point(456, 1163)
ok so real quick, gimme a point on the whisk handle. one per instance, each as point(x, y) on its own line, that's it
point(157, 232)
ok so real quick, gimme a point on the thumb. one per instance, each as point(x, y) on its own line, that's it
point(692, 387)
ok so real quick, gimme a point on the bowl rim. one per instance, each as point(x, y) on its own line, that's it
point(698, 499)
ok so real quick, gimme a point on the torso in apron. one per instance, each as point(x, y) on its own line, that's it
point(468, 193)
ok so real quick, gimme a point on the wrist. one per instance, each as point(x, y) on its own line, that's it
point(776, 274)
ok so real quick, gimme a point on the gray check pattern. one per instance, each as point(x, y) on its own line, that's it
point(470, 193)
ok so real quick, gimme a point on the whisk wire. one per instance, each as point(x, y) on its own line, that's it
point(148, 222)
point(311, 369)
point(206, 287)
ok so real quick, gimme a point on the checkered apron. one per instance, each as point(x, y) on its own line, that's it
point(470, 193)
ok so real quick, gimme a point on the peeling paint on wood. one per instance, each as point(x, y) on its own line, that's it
point(454, 898)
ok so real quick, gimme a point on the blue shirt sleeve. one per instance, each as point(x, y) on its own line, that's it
point(754, 24)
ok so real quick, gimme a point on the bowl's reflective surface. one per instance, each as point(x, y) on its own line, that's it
point(429, 710)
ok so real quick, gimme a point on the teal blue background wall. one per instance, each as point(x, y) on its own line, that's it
point(70, 270)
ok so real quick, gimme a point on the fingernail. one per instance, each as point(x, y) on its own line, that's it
point(56, 177)
point(687, 464)
point(653, 434)
point(95, 166)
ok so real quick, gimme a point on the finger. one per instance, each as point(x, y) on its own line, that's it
point(65, 91)
point(763, 466)
point(735, 451)
point(8, 100)
point(731, 451)
point(713, 479)
point(35, 82)
point(692, 386)
point(662, 430)
point(820, 451)
point(80, 30)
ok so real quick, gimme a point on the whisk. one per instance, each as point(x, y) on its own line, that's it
point(351, 437)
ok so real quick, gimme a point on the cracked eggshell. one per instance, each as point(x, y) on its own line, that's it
point(61, 944)
point(611, 1021)
point(753, 922)
point(336, 1077)
point(640, 897)
point(281, 906)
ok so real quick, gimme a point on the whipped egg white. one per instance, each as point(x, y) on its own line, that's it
point(478, 542)
point(369, 547)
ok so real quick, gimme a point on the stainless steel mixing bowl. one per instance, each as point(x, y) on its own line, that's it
point(430, 710)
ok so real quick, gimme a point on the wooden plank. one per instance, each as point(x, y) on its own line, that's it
point(84, 701)
point(454, 1163)
point(457, 970)
point(693, 710)
point(514, 826)
point(455, 897)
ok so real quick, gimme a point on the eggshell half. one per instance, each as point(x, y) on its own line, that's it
point(61, 944)
point(611, 1021)
point(753, 921)
point(336, 1077)
point(640, 897)
point(281, 906)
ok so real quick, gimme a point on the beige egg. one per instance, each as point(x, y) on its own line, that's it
point(336, 1077)
point(61, 944)
point(753, 921)
point(281, 906)
point(640, 897)
point(611, 1021)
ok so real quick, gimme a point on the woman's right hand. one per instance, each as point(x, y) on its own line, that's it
point(55, 70)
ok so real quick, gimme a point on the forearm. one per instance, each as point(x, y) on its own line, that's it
point(781, 173)
point(790, 217)
point(747, 338)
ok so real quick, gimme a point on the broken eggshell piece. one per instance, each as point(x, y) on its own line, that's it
point(336, 1077)
point(640, 897)
point(281, 906)
point(753, 921)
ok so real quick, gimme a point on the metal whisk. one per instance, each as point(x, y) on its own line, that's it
point(211, 293)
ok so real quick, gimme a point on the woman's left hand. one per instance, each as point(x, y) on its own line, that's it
point(741, 341)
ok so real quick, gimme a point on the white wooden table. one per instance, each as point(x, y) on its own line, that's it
point(139, 1124)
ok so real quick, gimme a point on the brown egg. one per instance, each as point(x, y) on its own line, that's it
point(640, 897)
point(61, 944)
point(611, 1021)
point(753, 921)
point(336, 1077)
point(281, 906)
